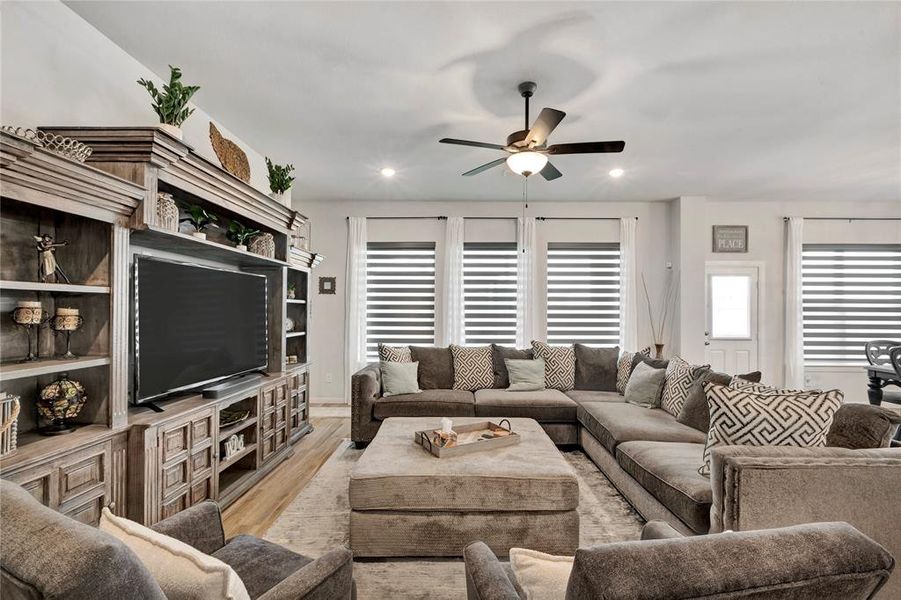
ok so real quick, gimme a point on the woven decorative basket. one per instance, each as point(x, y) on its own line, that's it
point(166, 212)
point(264, 245)
point(9, 426)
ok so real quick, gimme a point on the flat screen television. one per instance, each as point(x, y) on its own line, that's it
point(195, 325)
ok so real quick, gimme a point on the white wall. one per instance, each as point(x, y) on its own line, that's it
point(329, 237)
point(57, 69)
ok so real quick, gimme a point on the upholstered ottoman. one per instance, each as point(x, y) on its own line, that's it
point(406, 502)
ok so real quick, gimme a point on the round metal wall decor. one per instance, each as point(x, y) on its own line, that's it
point(59, 404)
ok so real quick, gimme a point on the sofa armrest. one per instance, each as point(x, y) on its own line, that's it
point(366, 388)
point(329, 577)
point(486, 578)
point(199, 526)
point(659, 530)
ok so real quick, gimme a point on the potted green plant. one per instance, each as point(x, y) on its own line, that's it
point(200, 219)
point(239, 234)
point(280, 180)
point(171, 104)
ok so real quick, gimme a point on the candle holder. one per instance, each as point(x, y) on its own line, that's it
point(66, 321)
point(30, 318)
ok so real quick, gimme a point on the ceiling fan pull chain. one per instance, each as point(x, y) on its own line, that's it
point(525, 201)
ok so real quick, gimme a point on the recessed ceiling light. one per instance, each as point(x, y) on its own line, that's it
point(388, 172)
point(616, 172)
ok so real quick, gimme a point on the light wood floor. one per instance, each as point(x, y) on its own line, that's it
point(254, 512)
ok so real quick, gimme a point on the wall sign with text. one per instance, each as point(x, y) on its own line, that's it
point(730, 238)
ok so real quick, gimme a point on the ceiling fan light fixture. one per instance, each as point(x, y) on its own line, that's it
point(526, 163)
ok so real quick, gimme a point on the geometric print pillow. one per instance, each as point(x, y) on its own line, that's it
point(559, 365)
point(679, 377)
point(743, 384)
point(624, 367)
point(740, 417)
point(399, 354)
point(473, 367)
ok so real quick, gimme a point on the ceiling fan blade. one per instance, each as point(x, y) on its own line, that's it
point(485, 167)
point(550, 172)
point(547, 120)
point(470, 143)
point(586, 148)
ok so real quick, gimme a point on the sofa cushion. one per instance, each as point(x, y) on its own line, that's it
point(472, 367)
point(596, 368)
point(559, 365)
point(261, 565)
point(859, 426)
point(680, 375)
point(498, 354)
point(436, 367)
point(44, 554)
point(694, 411)
point(428, 403)
point(395, 354)
point(615, 422)
point(545, 406)
point(645, 386)
point(581, 396)
point(669, 472)
point(624, 367)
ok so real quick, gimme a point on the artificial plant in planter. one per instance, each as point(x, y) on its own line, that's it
point(200, 219)
point(171, 104)
point(239, 234)
point(280, 180)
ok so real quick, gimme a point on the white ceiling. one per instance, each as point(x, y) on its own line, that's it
point(732, 100)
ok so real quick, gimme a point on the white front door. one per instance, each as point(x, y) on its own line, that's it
point(731, 334)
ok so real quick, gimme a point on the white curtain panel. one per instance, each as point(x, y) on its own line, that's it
point(452, 282)
point(525, 281)
point(794, 331)
point(355, 301)
point(628, 296)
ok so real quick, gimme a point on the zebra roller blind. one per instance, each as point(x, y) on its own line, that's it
point(489, 293)
point(583, 293)
point(400, 295)
point(851, 293)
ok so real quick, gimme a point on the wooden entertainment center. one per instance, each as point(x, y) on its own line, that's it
point(142, 464)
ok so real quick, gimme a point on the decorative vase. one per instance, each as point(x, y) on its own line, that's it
point(283, 198)
point(166, 212)
point(658, 348)
point(291, 294)
point(241, 247)
point(289, 324)
point(264, 245)
point(199, 235)
point(172, 130)
point(59, 403)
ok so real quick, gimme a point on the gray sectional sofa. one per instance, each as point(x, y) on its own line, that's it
point(652, 458)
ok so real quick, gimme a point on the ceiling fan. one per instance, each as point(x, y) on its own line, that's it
point(528, 150)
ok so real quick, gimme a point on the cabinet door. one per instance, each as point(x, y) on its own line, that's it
point(175, 441)
point(83, 472)
point(38, 481)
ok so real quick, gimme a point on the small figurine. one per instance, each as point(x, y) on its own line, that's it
point(46, 248)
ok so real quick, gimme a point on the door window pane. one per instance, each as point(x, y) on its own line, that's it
point(730, 306)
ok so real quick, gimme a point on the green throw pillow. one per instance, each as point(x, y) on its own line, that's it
point(399, 378)
point(525, 375)
point(645, 385)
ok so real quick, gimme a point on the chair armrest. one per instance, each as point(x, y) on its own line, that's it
point(659, 530)
point(329, 577)
point(486, 578)
point(365, 389)
point(199, 526)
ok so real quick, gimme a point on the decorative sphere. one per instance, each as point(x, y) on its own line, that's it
point(61, 401)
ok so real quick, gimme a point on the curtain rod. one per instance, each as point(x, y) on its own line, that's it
point(847, 218)
point(443, 217)
point(583, 218)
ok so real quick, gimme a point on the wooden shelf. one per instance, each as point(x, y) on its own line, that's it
point(224, 464)
point(229, 431)
point(292, 334)
point(53, 288)
point(34, 447)
point(296, 301)
point(171, 241)
point(36, 368)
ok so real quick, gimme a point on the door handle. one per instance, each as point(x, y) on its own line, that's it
point(706, 343)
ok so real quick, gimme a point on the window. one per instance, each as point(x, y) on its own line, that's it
point(489, 293)
point(851, 293)
point(400, 295)
point(730, 307)
point(583, 294)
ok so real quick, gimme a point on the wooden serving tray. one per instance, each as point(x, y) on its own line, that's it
point(474, 437)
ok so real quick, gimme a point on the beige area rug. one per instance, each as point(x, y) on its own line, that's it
point(318, 520)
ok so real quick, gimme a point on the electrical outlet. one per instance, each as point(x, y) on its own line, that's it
point(329, 378)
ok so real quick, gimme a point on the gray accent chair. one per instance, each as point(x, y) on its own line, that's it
point(819, 561)
point(45, 555)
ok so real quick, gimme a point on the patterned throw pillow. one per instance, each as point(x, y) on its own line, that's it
point(624, 367)
point(559, 365)
point(739, 383)
point(400, 354)
point(472, 367)
point(740, 417)
point(679, 377)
